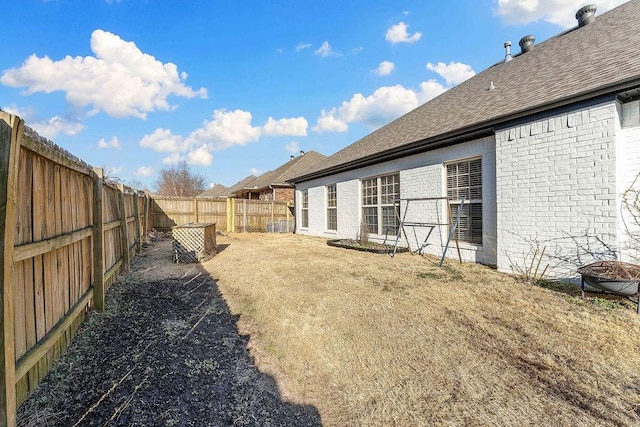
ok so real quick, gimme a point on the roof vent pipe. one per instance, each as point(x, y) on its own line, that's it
point(301, 152)
point(586, 15)
point(507, 46)
point(526, 43)
point(292, 157)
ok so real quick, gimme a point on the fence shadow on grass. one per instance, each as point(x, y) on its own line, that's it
point(166, 351)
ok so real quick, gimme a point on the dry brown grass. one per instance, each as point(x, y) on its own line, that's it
point(371, 340)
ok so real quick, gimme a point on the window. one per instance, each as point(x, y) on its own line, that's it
point(464, 180)
point(332, 207)
point(379, 208)
point(305, 209)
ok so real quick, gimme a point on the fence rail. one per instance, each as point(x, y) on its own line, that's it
point(65, 235)
point(237, 215)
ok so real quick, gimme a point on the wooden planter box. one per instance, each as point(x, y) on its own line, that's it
point(194, 242)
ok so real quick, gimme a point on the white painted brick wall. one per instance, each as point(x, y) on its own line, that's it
point(421, 175)
point(556, 187)
point(628, 170)
point(555, 182)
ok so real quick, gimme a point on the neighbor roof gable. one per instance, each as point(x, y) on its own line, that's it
point(216, 191)
point(294, 167)
point(243, 183)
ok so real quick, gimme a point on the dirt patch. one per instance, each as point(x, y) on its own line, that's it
point(166, 351)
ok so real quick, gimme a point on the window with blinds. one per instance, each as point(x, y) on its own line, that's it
point(464, 181)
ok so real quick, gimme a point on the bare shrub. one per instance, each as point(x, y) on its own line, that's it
point(363, 236)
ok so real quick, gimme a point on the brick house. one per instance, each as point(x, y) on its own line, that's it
point(542, 146)
point(273, 185)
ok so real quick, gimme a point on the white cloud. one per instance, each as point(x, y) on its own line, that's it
point(113, 172)
point(163, 141)
point(429, 90)
point(453, 73)
point(25, 113)
point(302, 46)
point(120, 79)
point(558, 12)
point(293, 147)
point(172, 159)
point(385, 104)
point(398, 34)
point(357, 50)
point(144, 171)
point(255, 171)
point(112, 143)
point(57, 125)
point(227, 128)
point(200, 156)
point(328, 122)
point(295, 126)
point(389, 102)
point(385, 68)
point(325, 50)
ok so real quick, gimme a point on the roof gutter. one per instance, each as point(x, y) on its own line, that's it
point(467, 133)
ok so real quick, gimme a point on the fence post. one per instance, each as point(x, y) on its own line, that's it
point(195, 209)
point(126, 259)
point(147, 213)
point(10, 133)
point(231, 215)
point(244, 215)
point(136, 213)
point(98, 240)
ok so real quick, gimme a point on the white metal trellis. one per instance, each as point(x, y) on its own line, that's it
point(452, 224)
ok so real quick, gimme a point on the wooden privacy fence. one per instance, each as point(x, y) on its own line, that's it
point(237, 215)
point(65, 235)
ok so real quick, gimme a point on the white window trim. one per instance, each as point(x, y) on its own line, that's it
point(335, 208)
point(304, 208)
point(378, 204)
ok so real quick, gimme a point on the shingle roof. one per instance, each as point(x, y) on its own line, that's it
point(216, 191)
point(297, 166)
point(243, 183)
point(596, 59)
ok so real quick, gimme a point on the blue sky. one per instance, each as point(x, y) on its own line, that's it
point(235, 88)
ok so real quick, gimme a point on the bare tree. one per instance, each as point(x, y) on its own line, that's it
point(179, 181)
point(135, 183)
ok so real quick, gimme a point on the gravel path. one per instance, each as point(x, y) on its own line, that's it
point(166, 352)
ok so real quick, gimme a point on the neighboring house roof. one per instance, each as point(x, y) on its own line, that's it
point(239, 185)
point(600, 58)
point(217, 191)
point(278, 177)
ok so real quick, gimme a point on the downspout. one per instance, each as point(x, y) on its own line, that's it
point(273, 193)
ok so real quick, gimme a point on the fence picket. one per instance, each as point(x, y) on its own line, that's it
point(230, 215)
point(54, 246)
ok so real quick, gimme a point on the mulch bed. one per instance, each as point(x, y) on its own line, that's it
point(377, 248)
point(166, 352)
point(615, 270)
